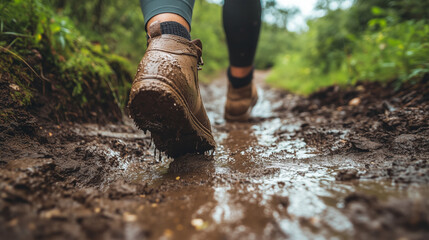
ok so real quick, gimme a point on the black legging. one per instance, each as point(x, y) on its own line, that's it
point(241, 22)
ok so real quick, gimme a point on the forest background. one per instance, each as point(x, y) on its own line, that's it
point(87, 52)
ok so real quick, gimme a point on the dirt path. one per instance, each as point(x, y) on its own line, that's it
point(341, 164)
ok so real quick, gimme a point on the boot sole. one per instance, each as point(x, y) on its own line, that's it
point(157, 107)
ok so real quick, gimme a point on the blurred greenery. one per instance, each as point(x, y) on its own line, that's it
point(373, 40)
point(207, 26)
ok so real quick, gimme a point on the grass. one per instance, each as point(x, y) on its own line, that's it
point(294, 73)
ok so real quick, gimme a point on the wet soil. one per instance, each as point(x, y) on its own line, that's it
point(340, 164)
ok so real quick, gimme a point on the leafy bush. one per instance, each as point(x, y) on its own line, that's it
point(398, 52)
point(59, 62)
point(389, 47)
point(118, 24)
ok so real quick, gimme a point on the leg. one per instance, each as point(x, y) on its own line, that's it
point(241, 22)
point(170, 17)
point(175, 16)
point(167, 10)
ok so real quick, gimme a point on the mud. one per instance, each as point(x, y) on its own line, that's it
point(342, 163)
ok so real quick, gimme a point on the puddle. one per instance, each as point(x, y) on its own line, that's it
point(254, 166)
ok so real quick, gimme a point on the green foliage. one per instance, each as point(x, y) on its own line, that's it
point(21, 79)
point(273, 42)
point(398, 52)
point(295, 72)
point(118, 24)
point(274, 39)
point(6, 114)
point(382, 44)
point(207, 26)
point(37, 40)
point(332, 43)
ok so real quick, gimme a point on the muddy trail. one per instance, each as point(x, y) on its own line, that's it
point(340, 164)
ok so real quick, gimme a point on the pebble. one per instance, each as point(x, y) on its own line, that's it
point(354, 102)
point(128, 217)
point(197, 223)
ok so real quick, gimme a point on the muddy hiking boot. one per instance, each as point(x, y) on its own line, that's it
point(240, 102)
point(165, 97)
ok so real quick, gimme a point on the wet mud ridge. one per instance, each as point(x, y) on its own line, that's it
point(342, 164)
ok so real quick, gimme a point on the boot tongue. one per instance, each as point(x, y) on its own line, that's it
point(154, 29)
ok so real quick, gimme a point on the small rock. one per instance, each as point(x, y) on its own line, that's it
point(168, 233)
point(347, 175)
point(360, 88)
point(128, 217)
point(388, 106)
point(198, 223)
point(13, 222)
point(365, 144)
point(354, 102)
point(53, 213)
point(281, 184)
point(30, 164)
point(281, 200)
point(121, 189)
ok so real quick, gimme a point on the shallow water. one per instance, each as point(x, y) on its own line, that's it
point(259, 183)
